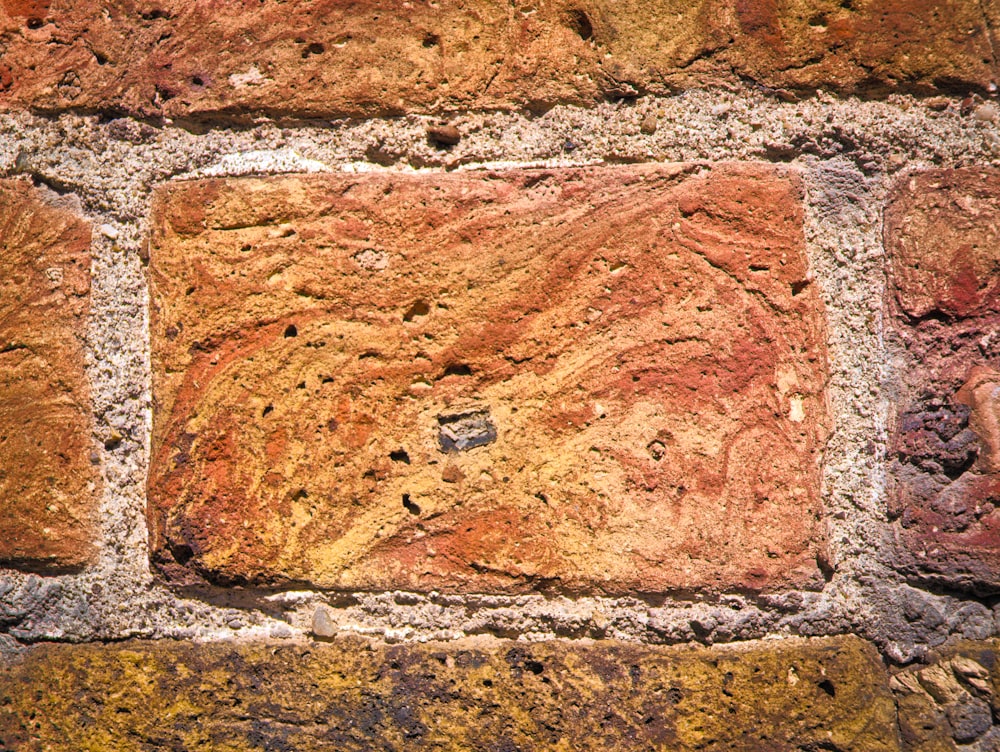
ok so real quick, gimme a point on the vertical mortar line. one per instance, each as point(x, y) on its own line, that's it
point(880, 476)
point(839, 243)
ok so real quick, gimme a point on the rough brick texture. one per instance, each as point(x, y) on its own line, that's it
point(949, 700)
point(591, 380)
point(48, 486)
point(475, 694)
point(328, 58)
point(941, 236)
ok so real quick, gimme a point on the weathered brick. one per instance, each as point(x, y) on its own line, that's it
point(235, 58)
point(596, 380)
point(949, 700)
point(941, 236)
point(48, 493)
point(480, 694)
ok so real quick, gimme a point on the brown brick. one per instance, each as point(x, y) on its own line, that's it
point(327, 58)
point(941, 236)
point(480, 694)
point(950, 699)
point(599, 380)
point(48, 493)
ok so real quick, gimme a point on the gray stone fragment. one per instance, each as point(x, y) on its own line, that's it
point(970, 718)
point(465, 430)
point(323, 625)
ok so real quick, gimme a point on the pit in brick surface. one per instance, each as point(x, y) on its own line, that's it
point(602, 380)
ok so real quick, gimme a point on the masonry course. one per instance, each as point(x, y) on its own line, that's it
point(481, 694)
point(329, 59)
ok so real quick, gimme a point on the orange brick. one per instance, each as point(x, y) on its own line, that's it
point(48, 485)
point(596, 380)
point(233, 58)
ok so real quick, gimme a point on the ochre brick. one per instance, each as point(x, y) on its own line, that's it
point(328, 58)
point(596, 380)
point(480, 694)
point(941, 236)
point(48, 486)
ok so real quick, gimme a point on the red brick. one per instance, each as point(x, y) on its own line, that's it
point(48, 484)
point(626, 363)
point(941, 236)
point(234, 58)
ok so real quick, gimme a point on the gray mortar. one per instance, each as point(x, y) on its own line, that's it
point(848, 153)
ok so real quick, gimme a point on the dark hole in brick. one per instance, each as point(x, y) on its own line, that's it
point(457, 369)
point(35, 23)
point(267, 411)
point(487, 682)
point(674, 695)
point(301, 385)
point(819, 19)
point(580, 22)
point(300, 495)
point(369, 354)
point(291, 331)
point(155, 15)
point(542, 498)
point(197, 81)
point(182, 553)
point(400, 455)
point(827, 686)
point(431, 40)
point(420, 308)
point(314, 48)
point(411, 507)
point(165, 93)
point(798, 287)
point(534, 667)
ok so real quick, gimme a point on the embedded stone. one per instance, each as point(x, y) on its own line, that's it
point(466, 430)
point(475, 412)
point(483, 693)
point(48, 484)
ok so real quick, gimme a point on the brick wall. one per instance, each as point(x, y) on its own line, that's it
point(539, 375)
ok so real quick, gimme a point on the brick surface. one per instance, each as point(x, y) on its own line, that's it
point(48, 493)
point(949, 700)
point(593, 380)
point(235, 58)
point(471, 695)
point(941, 235)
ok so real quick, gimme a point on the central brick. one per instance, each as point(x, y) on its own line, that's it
point(601, 380)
